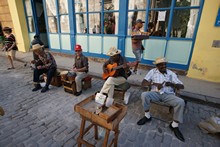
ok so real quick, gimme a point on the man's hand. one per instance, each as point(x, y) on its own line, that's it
point(170, 84)
point(75, 70)
point(159, 86)
point(33, 62)
point(39, 67)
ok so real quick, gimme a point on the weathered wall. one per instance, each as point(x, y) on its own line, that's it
point(205, 63)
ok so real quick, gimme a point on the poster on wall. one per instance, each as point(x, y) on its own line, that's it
point(217, 22)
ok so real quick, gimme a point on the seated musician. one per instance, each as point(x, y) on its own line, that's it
point(81, 68)
point(114, 77)
point(163, 82)
point(47, 65)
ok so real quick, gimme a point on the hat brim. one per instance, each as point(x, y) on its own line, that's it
point(159, 62)
point(34, 49)
point(116, 53)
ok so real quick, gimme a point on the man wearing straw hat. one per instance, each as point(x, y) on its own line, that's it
point(162, 82)
point(48, 65)
point(120, 75)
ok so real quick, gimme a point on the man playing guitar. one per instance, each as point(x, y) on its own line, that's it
point(116, 71)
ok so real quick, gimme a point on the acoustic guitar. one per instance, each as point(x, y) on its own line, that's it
point(112, 69)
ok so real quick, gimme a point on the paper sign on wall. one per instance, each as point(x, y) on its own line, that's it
point(161, 16)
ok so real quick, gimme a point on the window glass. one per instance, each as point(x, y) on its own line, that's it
point(158, 22)
point(28, 7)
point(132, 17)
point(31, 24)
point(52, 24)
point(94, 5)
point(183, 3)
point(184, 22)
point(63, 7)
point(80, 5)
point(81, 25)
point(94, 23)
point(64, 24)
point(137, 4)
point(110, 20)
point(160, 3)
point(111, 5)
point(51, 8)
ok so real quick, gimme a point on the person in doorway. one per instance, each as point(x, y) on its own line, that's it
point(120, 75)
point(10, 46)
point(137, 47)
point(48, 65)
point(163, 82)
point(80, 67)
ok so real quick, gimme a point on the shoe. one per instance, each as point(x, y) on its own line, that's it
point(177, 133)
point(10, 68)
point(77, 93)
point(143, 120)
point(44, 89)
point(37, 87)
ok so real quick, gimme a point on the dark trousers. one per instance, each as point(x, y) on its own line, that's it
point(50, 73)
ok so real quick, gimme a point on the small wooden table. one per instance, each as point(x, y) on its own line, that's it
point(110, 122)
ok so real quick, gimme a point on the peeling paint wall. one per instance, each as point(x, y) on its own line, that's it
point(205, 63)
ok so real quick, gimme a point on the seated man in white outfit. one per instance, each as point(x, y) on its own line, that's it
point(162, 82)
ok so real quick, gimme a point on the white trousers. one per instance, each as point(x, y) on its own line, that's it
point(109, 85)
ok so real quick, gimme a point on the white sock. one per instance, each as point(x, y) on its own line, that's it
point(147, 114)
point(175, 124)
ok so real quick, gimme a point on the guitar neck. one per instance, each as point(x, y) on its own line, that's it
point(118, 67)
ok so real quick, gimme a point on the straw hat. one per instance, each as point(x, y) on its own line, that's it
point(36, 47)
point(113, 51)
point(160, 60)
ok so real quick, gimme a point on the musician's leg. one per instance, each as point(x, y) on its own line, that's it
point(78, 80)
point(110, 83)
point(36, 80)
point(50, 74)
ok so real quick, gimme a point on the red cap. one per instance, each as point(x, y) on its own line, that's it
point(78, 47)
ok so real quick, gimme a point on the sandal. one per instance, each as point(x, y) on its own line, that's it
point(11, 68)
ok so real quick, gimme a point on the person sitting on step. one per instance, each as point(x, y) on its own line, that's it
point(80, 67)
point(163, 82)
point(48, 65)
point(115, 76)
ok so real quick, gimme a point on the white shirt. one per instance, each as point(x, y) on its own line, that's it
point(155, 76)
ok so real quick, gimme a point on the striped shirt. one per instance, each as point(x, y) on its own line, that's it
point(155, 76)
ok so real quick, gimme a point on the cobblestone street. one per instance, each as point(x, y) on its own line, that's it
point(33, 119)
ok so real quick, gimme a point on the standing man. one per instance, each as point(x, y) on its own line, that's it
point(47, 65)
point(137, 46)
point(80, 67)
point(163, 82)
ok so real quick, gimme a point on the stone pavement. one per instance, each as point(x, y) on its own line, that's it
point(33, 119)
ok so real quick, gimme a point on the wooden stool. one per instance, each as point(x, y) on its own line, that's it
point(56, 79)
point(85, 109)
point(70, 86)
